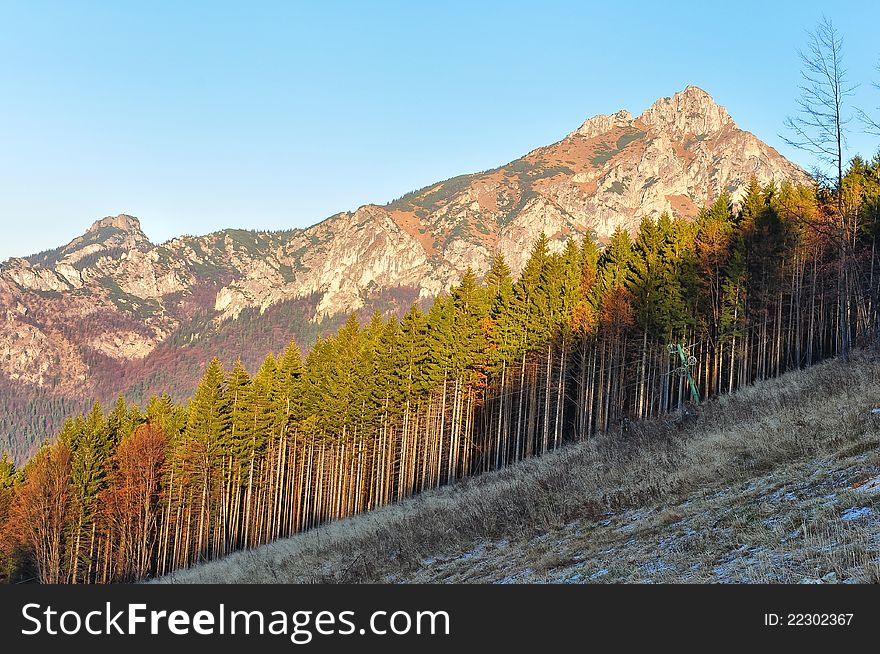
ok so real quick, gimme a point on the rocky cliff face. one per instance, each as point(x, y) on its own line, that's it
point(112, 296)
point(679, 155)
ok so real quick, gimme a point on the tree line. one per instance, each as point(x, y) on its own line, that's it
point(497, 370)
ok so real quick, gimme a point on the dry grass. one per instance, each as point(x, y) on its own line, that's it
point(752, 490)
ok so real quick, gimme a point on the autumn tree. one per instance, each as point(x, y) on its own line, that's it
point(131, 501)
point(41, 509)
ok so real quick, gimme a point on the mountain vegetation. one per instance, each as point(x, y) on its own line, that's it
point(111, 312)
point(777, 482)
point(498, 370)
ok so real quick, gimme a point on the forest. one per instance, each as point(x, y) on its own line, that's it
point(497, 370)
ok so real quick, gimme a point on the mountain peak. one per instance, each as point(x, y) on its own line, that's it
point(690, 111)
point(602, 123)
point(122, 231)
point(123, 222)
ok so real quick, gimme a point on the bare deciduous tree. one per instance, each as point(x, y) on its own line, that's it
point(819, 128)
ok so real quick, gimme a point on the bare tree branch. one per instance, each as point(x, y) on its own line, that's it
point(819, 126)
point(871, 125)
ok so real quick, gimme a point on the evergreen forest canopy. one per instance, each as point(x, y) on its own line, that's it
point(496, 371)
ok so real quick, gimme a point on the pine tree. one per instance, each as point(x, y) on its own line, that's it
point(502, 325)
point(90, 443)
point(122, 420)
point(240, 395)
point(202, 457)
point(491, 374)
point(413, 351)
point(290, 370)
point(470, 347)
point(441, 341)
point(583, 320)
point(498, 277)
point(209, 414)
point(170, 417)
point(529, 301)
point(268, 405)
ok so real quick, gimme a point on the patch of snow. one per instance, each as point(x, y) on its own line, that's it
point(773, 521)
point(477, 552)
point(516, 578)
point(599, 574)
point(856, 513)
point(653, 567)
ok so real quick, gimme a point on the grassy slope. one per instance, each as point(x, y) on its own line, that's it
point(779, 482)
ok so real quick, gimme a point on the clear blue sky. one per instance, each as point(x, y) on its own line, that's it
point(198, 116)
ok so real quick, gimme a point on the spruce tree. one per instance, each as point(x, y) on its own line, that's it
point(529, 297)
point(413, 352)
point(502, 333)
point(240, 394)
point(290, 370)
point(208, 420)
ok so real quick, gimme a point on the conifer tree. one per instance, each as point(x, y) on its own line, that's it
point(90, 443)
point(170, 417)
point(413, 352)
point(290, 369)
point(502, 328)
point(122, 420)
point(470, 308)
point(240, 394)
point(208, 414)
point(529, 298)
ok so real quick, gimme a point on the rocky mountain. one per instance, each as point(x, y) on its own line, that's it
point(111, 311)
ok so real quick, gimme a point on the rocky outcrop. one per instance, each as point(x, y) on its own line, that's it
point(123, 345)
point(602, 124)
point(35, 278)
point(30, 355)
point(691, 112)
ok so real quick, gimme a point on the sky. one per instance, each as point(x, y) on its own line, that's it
point(199, 116)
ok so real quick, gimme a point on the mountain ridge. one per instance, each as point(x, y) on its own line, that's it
point(110, 301)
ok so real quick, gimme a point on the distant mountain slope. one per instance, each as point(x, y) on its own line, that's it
point(112, 307)
point(776, 483)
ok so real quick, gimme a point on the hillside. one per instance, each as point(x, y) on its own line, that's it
point(777, 482)
point(112, 312)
